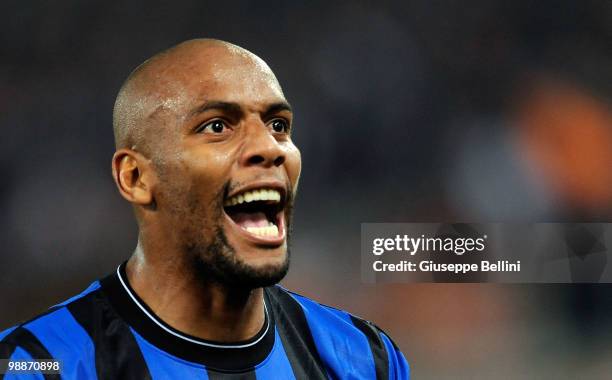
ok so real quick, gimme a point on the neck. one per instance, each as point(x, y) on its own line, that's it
point(173, 291)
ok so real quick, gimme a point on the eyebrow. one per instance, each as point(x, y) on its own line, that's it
point(228, 107)
point(236, 110)
point(276, 108)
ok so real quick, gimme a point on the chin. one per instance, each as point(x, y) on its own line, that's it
point(264, 259)
point(241, 268)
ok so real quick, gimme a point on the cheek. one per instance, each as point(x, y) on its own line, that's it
point(208, 168)
point(192, 180)
point(293, 163)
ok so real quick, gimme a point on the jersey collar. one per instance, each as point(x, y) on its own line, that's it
point(237, 356)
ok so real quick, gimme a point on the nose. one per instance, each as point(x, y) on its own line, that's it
point(261, 148)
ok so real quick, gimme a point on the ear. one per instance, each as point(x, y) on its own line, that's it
point(133, 176)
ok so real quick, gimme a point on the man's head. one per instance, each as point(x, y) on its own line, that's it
point(204, 154)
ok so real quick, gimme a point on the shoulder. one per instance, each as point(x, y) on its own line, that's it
point(56, 333)
point(317, 314)
point(332, 319)
point(339, 335)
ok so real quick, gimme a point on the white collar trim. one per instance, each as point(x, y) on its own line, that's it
point(184, 337)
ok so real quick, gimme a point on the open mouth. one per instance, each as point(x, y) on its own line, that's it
point(258, 212)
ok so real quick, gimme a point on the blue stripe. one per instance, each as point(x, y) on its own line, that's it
point(94, 286)
point(343, 347)
point(398, 366)
point(276, 365)
point(20, 354)
point(165, 366)
point(66, 341)
point(7, 331)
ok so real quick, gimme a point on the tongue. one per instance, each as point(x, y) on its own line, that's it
point(250, 219)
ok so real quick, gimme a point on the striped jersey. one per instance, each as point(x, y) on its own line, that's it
point(108, 332)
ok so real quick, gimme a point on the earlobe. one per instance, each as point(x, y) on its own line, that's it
point(132, 177)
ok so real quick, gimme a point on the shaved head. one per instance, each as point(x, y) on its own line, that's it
point(161, 84)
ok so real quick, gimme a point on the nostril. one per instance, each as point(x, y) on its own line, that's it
point(279, 160)
point(256, 159)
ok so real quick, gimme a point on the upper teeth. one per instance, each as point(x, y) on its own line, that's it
point(254, 195)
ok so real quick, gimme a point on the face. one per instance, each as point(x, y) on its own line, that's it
point(227, 167)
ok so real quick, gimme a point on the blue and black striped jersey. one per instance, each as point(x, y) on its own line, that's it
point(108, 332)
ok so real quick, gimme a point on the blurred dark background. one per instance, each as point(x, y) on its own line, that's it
point(442, 111)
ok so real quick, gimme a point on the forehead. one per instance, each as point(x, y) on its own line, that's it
point(219, 73)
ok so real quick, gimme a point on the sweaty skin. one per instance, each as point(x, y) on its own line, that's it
point(176, 171)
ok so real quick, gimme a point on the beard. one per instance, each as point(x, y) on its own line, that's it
point(207, 250)
point(217, 262)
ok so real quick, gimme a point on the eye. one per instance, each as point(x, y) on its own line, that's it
point(212, 127)
point(279, 126)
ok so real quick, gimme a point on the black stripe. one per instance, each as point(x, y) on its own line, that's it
point(118, 355)
point(377, 346)
point(295, 335)
point(214, 375)
point(23, 338)
point(6, 350)
point(383, 332)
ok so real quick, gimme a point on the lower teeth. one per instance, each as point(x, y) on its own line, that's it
point(270, 230)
